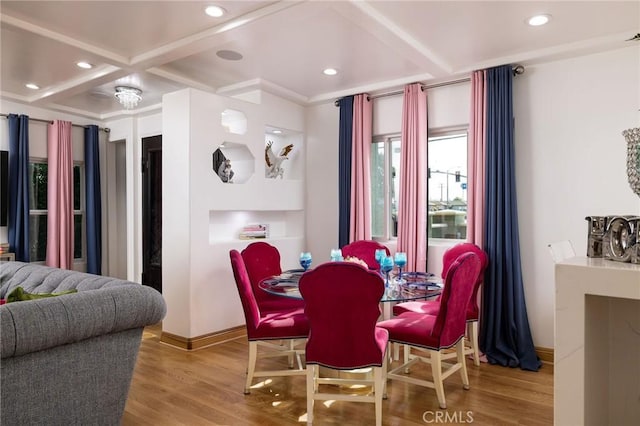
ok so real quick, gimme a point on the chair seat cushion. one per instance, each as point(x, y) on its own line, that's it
point(281, 325)
point(413, 328)
point(431, 307)
point(279, 303)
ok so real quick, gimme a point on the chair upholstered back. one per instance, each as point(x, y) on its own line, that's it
point(342, 305)
point(262, 260)
point(460, 280)
point(249, 304)
point(365, 250)
point(451, 255)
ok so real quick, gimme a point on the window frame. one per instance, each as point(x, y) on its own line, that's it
point(387, 139)
point(81, 211)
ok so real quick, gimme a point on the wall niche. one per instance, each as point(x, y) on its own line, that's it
point(233, 163)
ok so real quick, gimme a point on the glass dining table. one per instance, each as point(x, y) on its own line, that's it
point(412, 286)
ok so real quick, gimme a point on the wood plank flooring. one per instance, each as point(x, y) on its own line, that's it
point(174, 387)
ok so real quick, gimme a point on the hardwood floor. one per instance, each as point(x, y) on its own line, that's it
point(204, 387)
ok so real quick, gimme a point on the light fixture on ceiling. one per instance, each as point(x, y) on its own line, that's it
point(32, 86)
point(277, 132)
point(128, 96)
point(84, 65)
point(330, 71)
point(214, 11)
point(538, 20)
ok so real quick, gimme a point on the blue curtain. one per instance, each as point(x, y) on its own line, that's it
point(19, 186)
point(505, 336)
point(344, 169)
point(93, 200)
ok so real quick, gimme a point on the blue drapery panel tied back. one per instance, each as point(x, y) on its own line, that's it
point(345, 143)
point(505, 336)
point(93, 199)
point(18, 202)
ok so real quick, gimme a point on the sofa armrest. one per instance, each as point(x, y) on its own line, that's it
point(35, 325)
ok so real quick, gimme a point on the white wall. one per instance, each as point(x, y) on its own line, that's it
point(570, 160)
point(201, 213)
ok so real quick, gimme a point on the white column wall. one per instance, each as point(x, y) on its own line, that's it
point(198, 283)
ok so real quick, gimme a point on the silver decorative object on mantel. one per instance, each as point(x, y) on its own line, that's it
point(614, 238)
point(632, 136)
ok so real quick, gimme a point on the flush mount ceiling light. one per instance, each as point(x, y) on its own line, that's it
point(537, 20)
point(128, 96)
point(85, 65)
point(214, 11)
point(330, 71)
point(32, 86)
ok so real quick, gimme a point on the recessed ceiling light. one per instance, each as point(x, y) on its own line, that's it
point(85, 65)
point(229, 55)
point(277, 132)
point(215, 11)
point(537, 20)
point(330, 71)
point(32, 86)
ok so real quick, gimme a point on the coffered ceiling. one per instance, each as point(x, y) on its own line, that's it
point(163, 46)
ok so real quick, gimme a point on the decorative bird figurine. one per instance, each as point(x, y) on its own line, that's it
point(635, 38)
point(274, 162)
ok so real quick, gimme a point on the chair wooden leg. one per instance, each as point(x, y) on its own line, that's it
point(436, 372)
point(463, 363)
point(292, 344)
point(406, 349)
point(251, 366)
point(473, 339)
point(385, 368)
point(379, 386)
point(311, 390)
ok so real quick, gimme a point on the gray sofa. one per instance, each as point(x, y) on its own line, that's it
point(68, 360)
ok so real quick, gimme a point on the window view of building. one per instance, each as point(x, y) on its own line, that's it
point(447, 190)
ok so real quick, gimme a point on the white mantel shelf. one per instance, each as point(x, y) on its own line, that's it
point(597, 342)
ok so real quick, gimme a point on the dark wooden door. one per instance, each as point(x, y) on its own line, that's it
point(152, 212)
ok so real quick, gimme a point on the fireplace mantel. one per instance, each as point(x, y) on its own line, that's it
point(597, 342)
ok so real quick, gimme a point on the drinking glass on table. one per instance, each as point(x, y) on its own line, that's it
point(400, 260)
point(336, 255)
point(380, 254)
point(386, 265)
point(305, 260)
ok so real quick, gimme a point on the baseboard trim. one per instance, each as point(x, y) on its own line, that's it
point(199, 342)
point(545, 354)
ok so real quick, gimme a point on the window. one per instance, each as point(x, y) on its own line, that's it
point(385, 161)
point(447, 176)
point(38, 210)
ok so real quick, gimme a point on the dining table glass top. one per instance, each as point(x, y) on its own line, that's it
point(412, 286)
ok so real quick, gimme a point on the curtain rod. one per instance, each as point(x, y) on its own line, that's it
point(40, 120)
point(517, 69)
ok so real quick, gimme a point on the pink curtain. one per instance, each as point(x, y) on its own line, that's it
point(412, 202)
point(477, 160)
point(60, 196)
point(360, 168)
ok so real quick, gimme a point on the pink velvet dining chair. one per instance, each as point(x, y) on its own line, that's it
point(365, 250)
point(430, 334)
point(342, 303)
point(473, 311)
point(262, 260)
point(277, 332)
